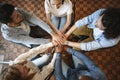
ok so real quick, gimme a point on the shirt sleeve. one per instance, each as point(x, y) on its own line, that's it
point(36, 20)
point(32, 52)
point(99, 43)
point(70, 8)
point(89, 19)
point(93, 70)
point(25, 39)
point(46, 4)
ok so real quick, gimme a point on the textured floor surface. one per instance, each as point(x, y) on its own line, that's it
point(107, 59)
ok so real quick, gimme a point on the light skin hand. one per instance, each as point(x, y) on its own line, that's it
point(57, 40)
point(73, 28)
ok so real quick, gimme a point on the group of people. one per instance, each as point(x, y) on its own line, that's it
point(102, 29)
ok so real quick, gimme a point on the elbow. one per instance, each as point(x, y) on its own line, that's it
point(7, 37)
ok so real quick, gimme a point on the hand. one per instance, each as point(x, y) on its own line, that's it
point(54, 43)
point(63, 31)
point(50, 50)
point(61, 34)
point(64, 48)
point(57, 40)
point(58, 49)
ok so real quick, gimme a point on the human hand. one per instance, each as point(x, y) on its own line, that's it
point(58, 49)
point(57, 39)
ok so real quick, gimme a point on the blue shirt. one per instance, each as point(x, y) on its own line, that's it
point(99, 39)
point(90, 69)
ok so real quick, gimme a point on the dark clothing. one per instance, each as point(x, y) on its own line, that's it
point(38, 32)
point(90, 69)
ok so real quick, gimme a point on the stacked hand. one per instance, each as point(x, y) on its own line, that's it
point(58, 39)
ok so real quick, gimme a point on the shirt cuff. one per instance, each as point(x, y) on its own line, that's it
point(50, 44)
point(83, 46)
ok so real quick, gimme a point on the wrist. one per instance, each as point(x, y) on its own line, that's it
point(66, 35)
point(66, 43)
point(52, 33)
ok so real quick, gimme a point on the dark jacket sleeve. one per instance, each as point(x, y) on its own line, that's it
point(94, 70)
point(58, 68)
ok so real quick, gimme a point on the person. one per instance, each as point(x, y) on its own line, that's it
point(24, 69)
point(22, 27)
point(85, 68)
point(105, 26)
point(58, 14)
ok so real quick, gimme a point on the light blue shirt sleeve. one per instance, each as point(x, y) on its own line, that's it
point(99, 43)
point(89, 20)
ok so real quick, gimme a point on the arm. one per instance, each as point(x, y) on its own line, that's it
point(85, 21)
point(73, 28)
point(67, 23)
point(69, 13)
point(31, 18)
point(51, 24)
point(101, 42)
point(94, 70)
point(58, 68)
point(84, 58)
point(25, 39)
point(72, 44)
point(48, 68)
point(55, 33)
point(32, 52)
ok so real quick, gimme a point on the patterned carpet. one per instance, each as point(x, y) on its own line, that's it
point(107, 59)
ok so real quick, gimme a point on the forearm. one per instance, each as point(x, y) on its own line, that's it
point(46, 70)
point(41, 24)
point(67, 23)
point(72, 44)
point(51, 24)
point(71, 30)
point(27, 40)
point(65, 27)
point(32, 52)
point(33, 19)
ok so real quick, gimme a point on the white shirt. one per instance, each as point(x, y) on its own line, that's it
point(65, 8)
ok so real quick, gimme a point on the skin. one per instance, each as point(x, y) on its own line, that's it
point(58, 35)
point(17, 19)
point(56, 3)
point(98, 24)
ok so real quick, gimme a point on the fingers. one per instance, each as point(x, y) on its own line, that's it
point(58, 39)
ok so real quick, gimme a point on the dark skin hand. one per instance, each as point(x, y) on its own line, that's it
point(58, 49)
